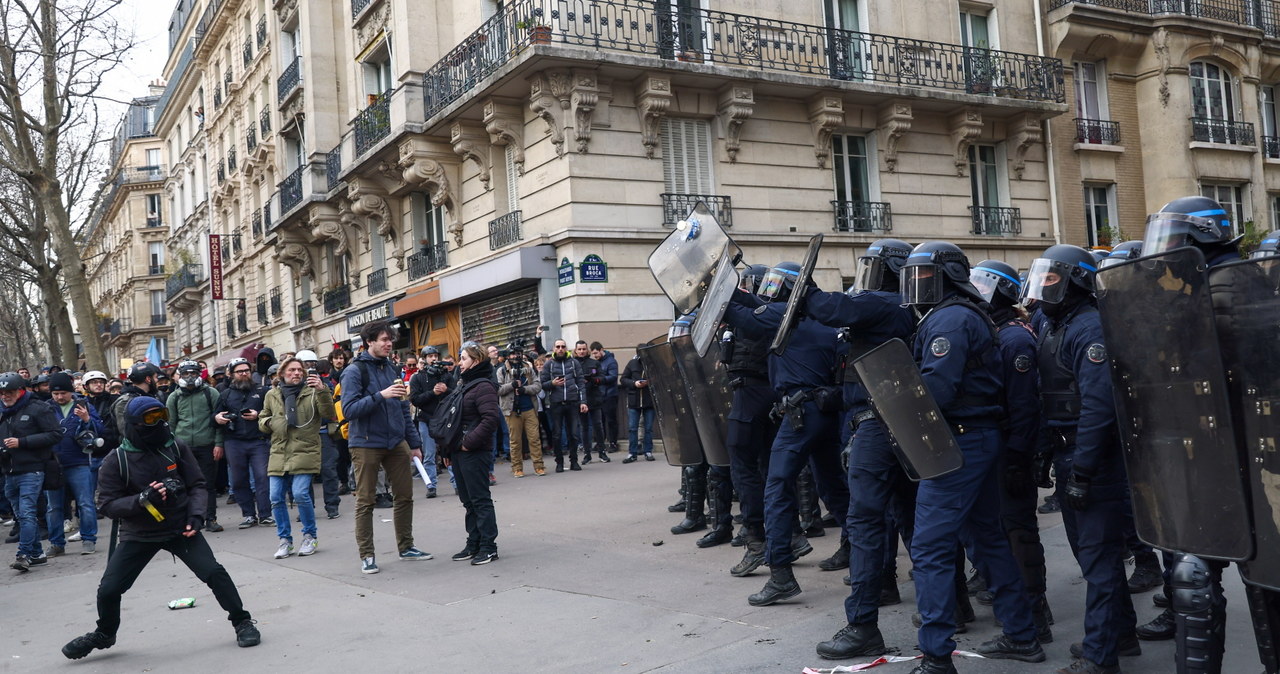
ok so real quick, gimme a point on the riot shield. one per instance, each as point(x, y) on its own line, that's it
point(671, 404)
point(1246, 303)
point(1175, 418)
point(921, 435)
point(684, 263)
point(709, 397)
point(723, 283)
point(792, 314)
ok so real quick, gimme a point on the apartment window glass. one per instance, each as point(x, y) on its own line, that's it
point(850, 153)
point(153, 157)
point(1212, 92)
point(155, 254)
point(377, 251)
point(847, 15)
point(157, 302)
point(1091, 101)
point(1274, 199)
point(1231, 196)
point(513, 186)
point(977, 29)
point(686, 156)
point(428, 221)
point(1099, 206)
point(377, 72)
point(153, 210)
point(984, 175)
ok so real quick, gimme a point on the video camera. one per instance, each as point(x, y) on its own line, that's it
point(438, 369)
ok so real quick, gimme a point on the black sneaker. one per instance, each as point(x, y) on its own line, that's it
point(1050, 505)
point(632, 458)
point(247, 522)
point(1004, 647)
point(21, 564)
point(1128, 647)
point(39, 561)
point(484, 558)
point(464, 555)
point(81, 646)
point(246, 634)
point(1162, 628)
point(431, 492)
point(334, 514)
point(212, 526)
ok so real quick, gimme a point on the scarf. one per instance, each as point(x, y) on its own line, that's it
point(290, 394)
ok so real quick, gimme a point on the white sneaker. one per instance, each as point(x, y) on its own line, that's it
point(68, 527)
point(308, 545)
point(73, 537)
point(285, 549)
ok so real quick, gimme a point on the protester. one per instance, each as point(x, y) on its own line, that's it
point(28, 430)
point(470, 459)
point(81, 429)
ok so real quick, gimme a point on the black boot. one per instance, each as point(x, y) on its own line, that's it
point(1161, 628)
point(800, 546)
point(782, 585)
point(739, 539)
point(717, 536)
point(752, 558)
point(853, 641)
point(1004, 647)
point(839, 560)
point(695, 494)
point(1043, 618)
point(684, 484)
point(889, 595)
point(932, 665)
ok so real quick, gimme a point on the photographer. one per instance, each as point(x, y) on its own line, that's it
point(81, 430)
point(563, 385)
point(154, 487)
point(246, 446)
point(426, 388)
point(518, 389)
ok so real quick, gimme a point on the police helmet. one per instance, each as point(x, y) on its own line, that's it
point(1123, 252)
point(682, 326)
point(993, 279)
point(140, 371)
point(1270, 245)
point(1057, 268)
point(1189, 221)
point(92, 375)
point(931, 266)
point(306, 356)
point(778, 282)
point(12, 381)
point(885, 255)
point(750, 279)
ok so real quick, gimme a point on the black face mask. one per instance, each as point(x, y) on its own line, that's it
point(148, 437)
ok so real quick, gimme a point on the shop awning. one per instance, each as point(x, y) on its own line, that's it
point(248, 352)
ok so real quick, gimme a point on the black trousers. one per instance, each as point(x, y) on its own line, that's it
point(565, 416)
point(209, 467)
point(131, 557)
point(471, 475)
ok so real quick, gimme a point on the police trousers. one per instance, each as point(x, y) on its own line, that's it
point(817, 442)
point(875, 478)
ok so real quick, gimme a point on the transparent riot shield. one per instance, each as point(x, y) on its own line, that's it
point(684, 263)
point(1246, 303)
point(1175, 418)
point(671, 404)
point(709, 397)
point(711, 312)
point(792, 315)
point(904, 404)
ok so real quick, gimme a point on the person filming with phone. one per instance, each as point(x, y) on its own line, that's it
point(639, 409)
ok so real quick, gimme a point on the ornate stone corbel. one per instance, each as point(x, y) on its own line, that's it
point(505, 124)
point(368, 204)
point(894, 120)
point(471, 142)
point(352, 222)
point(653, 99)
point(826, 114)
point(1024, 131)
point(737, 102)
point(549, 100)
point(966, 126)
point(582, 102)
point(293, 252)
point(426, 163)
point(1160, 43)
point(326, 224)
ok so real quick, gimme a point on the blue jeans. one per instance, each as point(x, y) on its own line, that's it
point(501, 440)
point(94, 464)
point(79, 480)
point(633, 422)
point(23, 490)
point(428, 451)
point(301, 488)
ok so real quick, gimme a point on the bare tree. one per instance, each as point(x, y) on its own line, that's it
point(53, 56)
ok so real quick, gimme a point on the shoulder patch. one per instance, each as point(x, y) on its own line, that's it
point(940, 346)
point(760, 309)
point(1097, 353)
point(1022, 363)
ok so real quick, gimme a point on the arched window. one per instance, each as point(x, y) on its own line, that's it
point(1213, 92)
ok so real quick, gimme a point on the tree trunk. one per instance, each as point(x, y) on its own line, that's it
point(64, 246)
point(54, 306)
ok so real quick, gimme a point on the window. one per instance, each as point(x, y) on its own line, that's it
point(977, 29)
point(1212, 92)
point(988, 182)
point(377, 251)
point(1274, 200)
point(157, 303)
point(1231, 196)
point(1099, 214)
point(512, 186)
point(984, 178)
point(153, 210)
point(855, 197)
point(848, 53)
point(153, 158)
point(1267, 103)
point(376, 69)
point(1091, 93)
point(686, 155)
point(155, 256)
point(428, 221)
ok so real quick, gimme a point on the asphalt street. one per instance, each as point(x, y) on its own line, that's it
point(589, 579)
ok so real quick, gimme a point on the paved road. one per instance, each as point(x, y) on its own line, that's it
point(589, 579)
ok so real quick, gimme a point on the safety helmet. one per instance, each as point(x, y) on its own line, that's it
point(429, 351)
point(236, 362)
point(928, 270)
point(12, 381)
point(1123, 252)
point(140, 371)
point(1055, 269)
point(91, 375)
point(189, 374)
point(885, 255)
point(750, 279)
point(307, 356)
point(42, 378)
point(1268, 246)
point(1189, 221)
point(778, 282)
point(994, 278)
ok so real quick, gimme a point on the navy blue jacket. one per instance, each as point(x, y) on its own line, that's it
point(811, 360)
point(609, 371)
point(960, 363)
point(374, 421)
point(1021, 385)
point(34, 423)
point(873, 318)
point(236, 400)
point(67, 449)
point(1083, 351)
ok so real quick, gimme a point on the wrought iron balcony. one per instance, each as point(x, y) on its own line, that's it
point(235, 243)
point(1207, 130)
point(262, 310)
point(1261, 15)
point(251, 139)
point(291, 189)
point(255, 224)
point(376, 281)
point(231, 160)
point(676, 207)
point(1271, 147)
point(158, 319)
point(862, 216)
point(246, 53)
point(337, 298)
point(231, 327)
point(358, 6)
point(304, 312)
point(222, 173)
point(261, 32)
point(266, 217)
point(333, 167)
point(186, 277)
point(373, 123)
point(1097, 131)
point(277, 304)
point(1140, 6)
point(155, 269)
point(996, 220)
point(504, 230)
point(264, 123)
point(141, 174)
point(226, 80)
point(242, 319)
point(153, 221)
point(226, 247)
point(654, 27)
point(217, 98)
point(289, 80)
point(429, 260)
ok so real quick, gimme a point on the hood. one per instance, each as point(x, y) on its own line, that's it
point(266, 358)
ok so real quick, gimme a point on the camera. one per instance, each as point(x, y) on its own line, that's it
point(233, 415)
point(438, 369)
point(172, 486)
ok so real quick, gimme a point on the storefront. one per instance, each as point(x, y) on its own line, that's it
point(383, 311)
point(503, 319)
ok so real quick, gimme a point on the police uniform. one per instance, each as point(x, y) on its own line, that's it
point(751, 433)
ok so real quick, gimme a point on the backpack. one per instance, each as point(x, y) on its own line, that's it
point(446, 422)
point(343, 431)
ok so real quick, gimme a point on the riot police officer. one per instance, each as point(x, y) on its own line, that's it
point(1080, 418)
point(955, 346)
point(871, 314)
point(1123, 252)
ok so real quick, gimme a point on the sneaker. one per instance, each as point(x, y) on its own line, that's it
point(431, 492)
point(492, 480)
point(285, 549)
point(463, 555)
point(540, 472)
point(267, 521)
point(56, 550)
point(68, 527)
point(368, 565)
point(383, 501)
point(632, 458)
point(74, 538)
point(518, 475)
point(212, 526)
point(309, 545)
point(39, 561)
point(246, 634)
point(248, 522)
point(649, 457)
point(6, 520)
point(1050, 505)
point(21, 564)
point(414, 554)
point(81, 646)
point(484, 558)
point(88, 548)
point(1004, 647)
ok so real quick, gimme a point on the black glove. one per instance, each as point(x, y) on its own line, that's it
point(151, 494)
point(1018, 482)
point(844, 456)
point(1076, 491)
point(196, 522)
point(1040, 467)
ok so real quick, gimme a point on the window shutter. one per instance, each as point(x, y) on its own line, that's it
point(513, 189)
point(377, 250)
point(686, 156)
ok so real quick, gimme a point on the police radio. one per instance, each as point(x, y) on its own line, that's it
point(726, 347)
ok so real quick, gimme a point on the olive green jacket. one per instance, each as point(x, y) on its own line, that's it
point(296, 451)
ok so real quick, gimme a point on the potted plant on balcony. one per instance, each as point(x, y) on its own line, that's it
point(539, 33)
point(980, 68)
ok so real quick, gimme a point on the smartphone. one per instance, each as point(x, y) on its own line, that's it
point(311, 372)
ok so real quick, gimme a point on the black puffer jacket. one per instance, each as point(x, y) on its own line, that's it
point(480, 412)
point(637, 398)
point(33, 422)
point(118, 497)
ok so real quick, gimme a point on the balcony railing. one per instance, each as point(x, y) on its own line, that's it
point(1141, 6)
point(654, 27)
point(996, 220)
point(504, 230)
point(1263, 15)
point(336, 299)
point(291, 189)
point(186, 277)
point(231, 160)
point(1271, 147)
point(333, 167)
point(277, 304)
point(158, 319)
point(266, 217)
point(1097, 131)
point(261, 33)
point(1207, 130)
point(358, 6)
point(429, 260)
point(376, 281)
point(676, 207)
point(226, 80)
point(262, 310)
point(255, 224)
point(289, 80)
point(264, 123)
point(235, 243)
point(862, 216)
point(217, 98)
point(222, 173)
point(373, 123)
point(155, 269)
point(304, 312)
point(246, 53)
point(141, 174)
point(251, 139)
point(231, 327)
